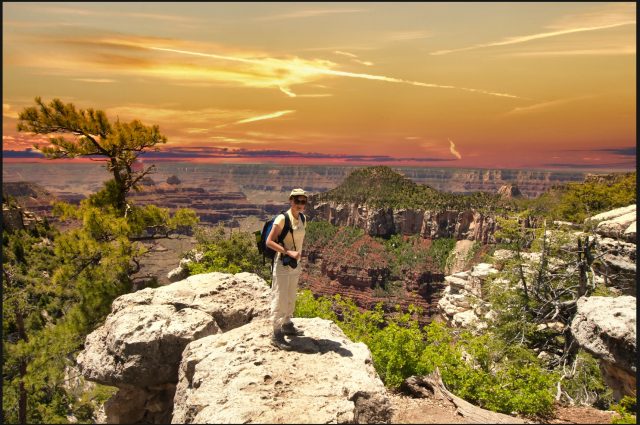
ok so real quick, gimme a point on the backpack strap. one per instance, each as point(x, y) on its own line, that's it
point(286, 228)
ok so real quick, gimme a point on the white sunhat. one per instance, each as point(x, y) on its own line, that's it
point(298, 192)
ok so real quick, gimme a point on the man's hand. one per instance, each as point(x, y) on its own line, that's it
point(294, 254)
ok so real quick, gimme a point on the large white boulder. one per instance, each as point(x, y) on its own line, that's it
point(606, 327)
point(238, 377)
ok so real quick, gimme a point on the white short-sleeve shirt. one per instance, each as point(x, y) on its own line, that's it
point(296, 233)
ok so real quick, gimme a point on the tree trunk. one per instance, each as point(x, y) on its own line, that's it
point(582, 267)
point(122, 189)
point(432, 386)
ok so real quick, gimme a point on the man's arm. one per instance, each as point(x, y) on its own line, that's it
point(273, 244)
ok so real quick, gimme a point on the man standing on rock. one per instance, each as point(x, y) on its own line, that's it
point(286, 268)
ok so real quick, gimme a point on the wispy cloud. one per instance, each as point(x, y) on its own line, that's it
point(101, 54)
point(615, 51)
point(78, 11)
point(611, 16)
point(354, 58)
point(95, 80)
point(537, 107)
point(624, 151)
point(522, 39)
point(339, 52)
point(452, 149)
point(287, 92)
point(273, 115)
point(299, 70)
point(8, 111)
point(190, 118)
point(308, 13)
point(407, 35)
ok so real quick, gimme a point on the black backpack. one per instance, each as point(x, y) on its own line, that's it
point(261, 237)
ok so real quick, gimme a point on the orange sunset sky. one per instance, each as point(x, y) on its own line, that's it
point(487, 85)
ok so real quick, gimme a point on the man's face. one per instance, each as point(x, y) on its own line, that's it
point(298, 203)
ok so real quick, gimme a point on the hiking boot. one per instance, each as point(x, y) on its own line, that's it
point(277, 340)
point(290, 330)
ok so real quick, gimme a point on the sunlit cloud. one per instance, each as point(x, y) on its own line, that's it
point(287, 92)
point(452, 149)
point(190, 118)
point(351, 55)
point(277, 114)
point(309, 13)
point(299, 70)
point(250, 70)
point(613, 16)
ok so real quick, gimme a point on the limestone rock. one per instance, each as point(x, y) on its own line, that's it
point(619, 223)
point(606, 327)
point(140, 345)
point(509, 191)
point(618, 263)
point(238, 377)
point(199, 350)
point(461, 302)
point(467, 224)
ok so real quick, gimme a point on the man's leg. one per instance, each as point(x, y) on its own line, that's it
point(290, 305)
point(279, 291)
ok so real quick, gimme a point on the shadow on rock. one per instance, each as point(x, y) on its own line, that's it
point(313, 346)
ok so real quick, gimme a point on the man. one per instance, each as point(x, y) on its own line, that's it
point(286, 268)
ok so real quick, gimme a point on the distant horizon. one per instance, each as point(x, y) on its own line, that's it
point(86, 161)
point(452, 85)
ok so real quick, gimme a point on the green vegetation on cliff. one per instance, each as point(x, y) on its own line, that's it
point(59, 286)
point(380, 186)
point(481, 369)
point(576, 201)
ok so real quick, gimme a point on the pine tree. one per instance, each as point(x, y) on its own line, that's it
point(93, 136)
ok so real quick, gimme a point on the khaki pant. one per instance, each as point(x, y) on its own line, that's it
point(283, 293)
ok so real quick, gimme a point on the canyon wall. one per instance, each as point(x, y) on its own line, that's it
point(384, 222)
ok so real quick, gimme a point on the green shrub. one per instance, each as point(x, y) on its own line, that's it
point(319, 233)
point(440, 250)
point(481, 369)
point(626, 409)
point(233, 253)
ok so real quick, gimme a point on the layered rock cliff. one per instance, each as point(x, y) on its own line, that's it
point(198, 351)
point(606, 327)
point(467, 224)
point(616, 244)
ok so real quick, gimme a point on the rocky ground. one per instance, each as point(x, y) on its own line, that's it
point(410, 410)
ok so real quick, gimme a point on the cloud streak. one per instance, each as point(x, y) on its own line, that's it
point(521, 110)
point(308, 13)
point(273, 115)
point(531, 37)
point(299, 71)
point(452, 149)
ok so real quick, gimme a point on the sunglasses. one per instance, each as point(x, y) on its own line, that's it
point(299, 201)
